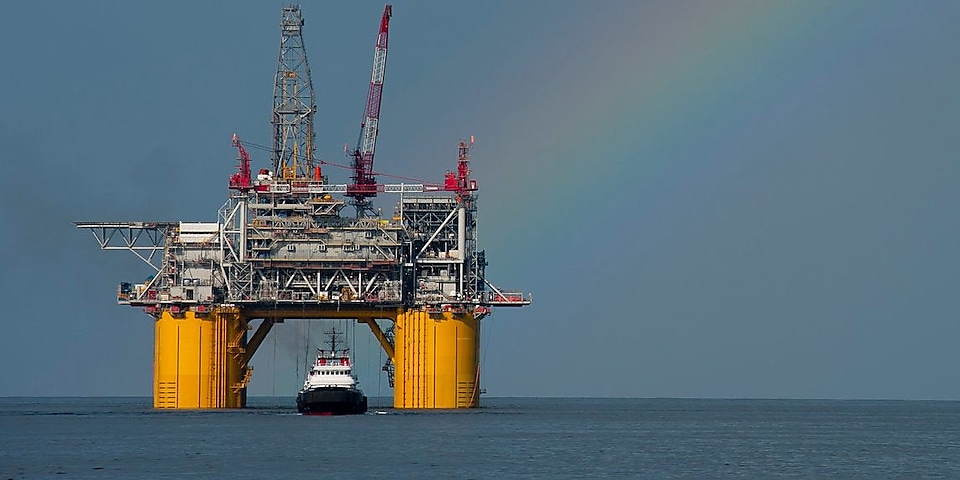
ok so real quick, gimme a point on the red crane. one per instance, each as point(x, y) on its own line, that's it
point(460, 180)
point(241, 180)
point(364, 183)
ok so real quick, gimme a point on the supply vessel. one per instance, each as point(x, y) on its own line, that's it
point(331, 388)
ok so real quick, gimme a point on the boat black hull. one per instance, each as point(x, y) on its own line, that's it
point(331, 401)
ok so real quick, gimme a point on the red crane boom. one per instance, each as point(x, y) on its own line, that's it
point(364, 183)
point(241, 180)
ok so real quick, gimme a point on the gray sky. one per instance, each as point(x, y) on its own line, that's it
point(707, 199)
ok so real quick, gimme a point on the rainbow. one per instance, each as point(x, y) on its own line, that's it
point(641, 81)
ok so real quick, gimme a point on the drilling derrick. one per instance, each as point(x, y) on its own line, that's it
point(293, 104)
point(281, 250)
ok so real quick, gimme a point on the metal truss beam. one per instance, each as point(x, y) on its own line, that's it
point(136, 237)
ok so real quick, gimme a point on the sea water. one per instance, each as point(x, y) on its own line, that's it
point(506, 438)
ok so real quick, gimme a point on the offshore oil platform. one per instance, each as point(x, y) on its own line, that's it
point(282, 249)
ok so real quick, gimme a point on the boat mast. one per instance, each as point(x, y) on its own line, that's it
point(333, 340)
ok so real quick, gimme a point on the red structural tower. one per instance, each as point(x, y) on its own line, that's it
point(364, 183)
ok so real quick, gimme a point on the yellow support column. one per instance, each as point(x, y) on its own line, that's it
point(236, 372)
point(436, 360)
point(196, 361)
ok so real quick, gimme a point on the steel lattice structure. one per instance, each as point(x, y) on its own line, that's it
point(294, 103)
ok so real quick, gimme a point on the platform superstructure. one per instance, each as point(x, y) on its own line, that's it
point(283, 248)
